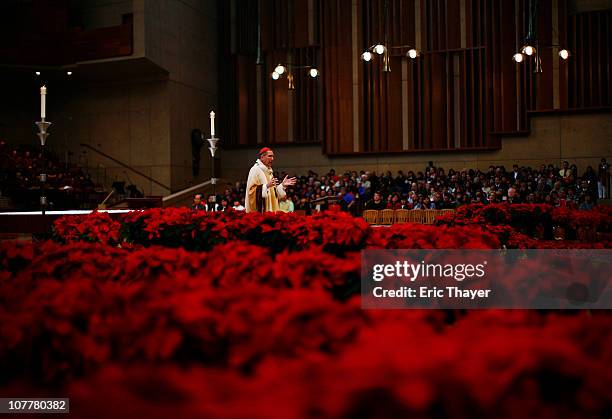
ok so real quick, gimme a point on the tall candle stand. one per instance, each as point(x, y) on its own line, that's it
point(43, 127)
point(213, 148)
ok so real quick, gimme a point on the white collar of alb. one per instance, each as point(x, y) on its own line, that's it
point(263, 166)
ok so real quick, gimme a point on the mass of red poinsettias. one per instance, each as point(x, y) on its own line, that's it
point(518, 225)
point(238, 325)
point(475, 226)
point(97, 227)
point(176, 313)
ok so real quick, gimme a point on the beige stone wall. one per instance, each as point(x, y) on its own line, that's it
point(181, 37)
point(190, 111)
point(128, 121)
point(581, 139)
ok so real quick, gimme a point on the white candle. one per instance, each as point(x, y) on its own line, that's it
point(43, 98)
point(212, 125)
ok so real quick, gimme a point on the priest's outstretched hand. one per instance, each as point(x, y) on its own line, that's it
point(288, 181)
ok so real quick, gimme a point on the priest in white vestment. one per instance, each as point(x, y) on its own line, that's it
point(263, 190)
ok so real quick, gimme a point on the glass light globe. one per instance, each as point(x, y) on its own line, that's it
point(564, 54)
point(275, 75)
point(379, 49)
point(518, 57)
point(313, 72)
point(366, 56)
point(280, 69)
point(529, 50)
point(413, 53)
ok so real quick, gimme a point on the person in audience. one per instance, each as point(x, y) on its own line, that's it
point(603, 179)
point(562, 200)
point(458, 200)
point(418, 204)
point(238, 206)
point(446, 202)
point(587, 203)
point(513, 196)
point(479, 198)
point(348, 197)
point(286, 205)
point(394, 202)
point(212, 204)
point(591, 177)
point(585, 189)
point(303, 205)
point(376, 203)
point(436, 200)
point(197, 202)
point(224, 205)
point(427, 204)
point(565, 170)
point(515, 174)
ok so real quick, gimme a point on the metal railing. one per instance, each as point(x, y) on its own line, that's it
point(127, 166)
point(184, 196)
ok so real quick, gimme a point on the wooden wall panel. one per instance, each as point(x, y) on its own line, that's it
point(247, 100)
point(563, 65)
point(544, 93)
point(286, 37)
point(283, 29)
point(337, 56)
point(246, 35)
point(453, 32)
point(382, 123)
point(507, 67)
point(393, 105)
point(266, 16)
point(277, 24)
point(463, 92)
point(277, 121)
point(589, 69)
point(306, 109)
point(300, 19)
point(400, 33)
point(437, 110)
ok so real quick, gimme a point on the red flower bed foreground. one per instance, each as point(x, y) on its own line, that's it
point(239, 331)
point(390, 371)
point(263, 320)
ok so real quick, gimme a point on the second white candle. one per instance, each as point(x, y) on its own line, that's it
point(43, 102)
point(212, 125)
